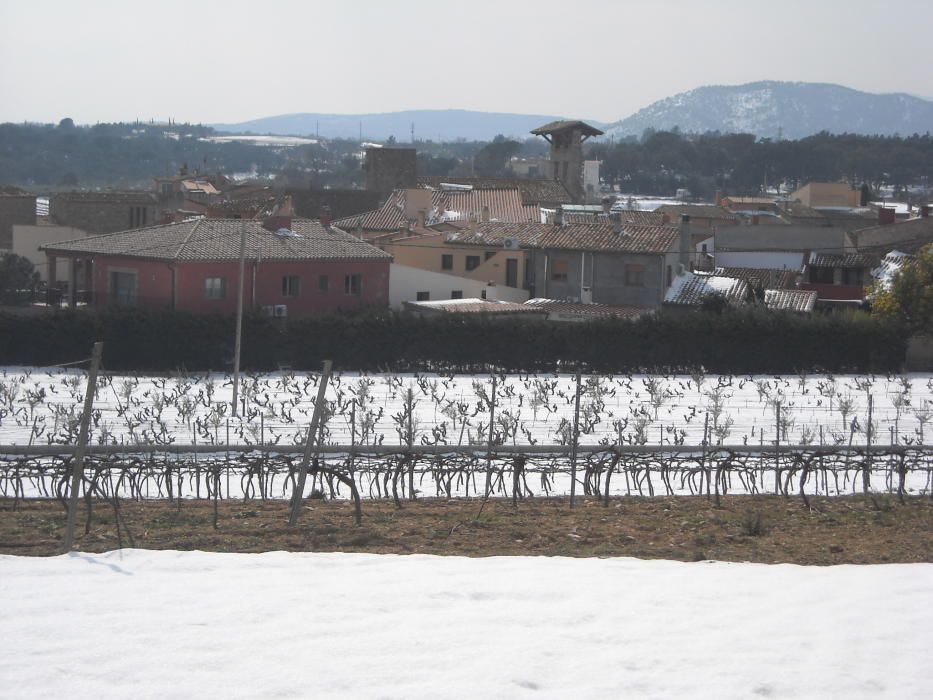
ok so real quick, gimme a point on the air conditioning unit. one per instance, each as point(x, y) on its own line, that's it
point(510, 243)
point(280, 311)
point(268, 311)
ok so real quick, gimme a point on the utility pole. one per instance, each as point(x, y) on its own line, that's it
point(77, 470)
point(239, 321)
point(309, 444)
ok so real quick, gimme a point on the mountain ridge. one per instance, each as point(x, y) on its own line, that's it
point(766, 108)
point(770, 108)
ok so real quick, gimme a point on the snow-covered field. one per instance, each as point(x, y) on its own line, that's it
point(164, 624)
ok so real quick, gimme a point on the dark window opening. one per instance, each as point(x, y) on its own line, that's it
point(447, 262)
point(472, 262)
point(352, 284)
point(423, 296)
point(560, 270)
point(290, 285)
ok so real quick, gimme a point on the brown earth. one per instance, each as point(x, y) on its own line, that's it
point(769, 529)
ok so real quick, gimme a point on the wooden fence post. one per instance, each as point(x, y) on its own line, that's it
point(309, 444)
point(77, 469)
point(576, 439)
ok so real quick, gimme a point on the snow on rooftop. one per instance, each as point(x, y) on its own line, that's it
point(154, 624)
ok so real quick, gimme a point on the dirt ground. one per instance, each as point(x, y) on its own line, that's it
point(768, 529)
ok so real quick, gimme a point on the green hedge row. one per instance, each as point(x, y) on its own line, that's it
point(739, 342)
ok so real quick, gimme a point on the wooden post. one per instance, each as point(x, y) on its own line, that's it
point(77, 469)
point(576, 438)
point(309, 444)
point(869, 435)
point(777, 452)
point(239, 322)
point(492, 416)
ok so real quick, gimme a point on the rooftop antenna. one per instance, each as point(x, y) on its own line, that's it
point(412, 133)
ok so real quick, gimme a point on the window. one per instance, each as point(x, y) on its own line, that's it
point(138, 216)
point(821, 275)
point(559, 269)
point(423, 296)
point(215, 287)
point(447, 262)
point(123, 288)
point(352, 284)
point(290, 285)
point(488, 254)
point(456, 294)
point(635, 275)
point(472, 262)
point(322, 284)
point(852, 275)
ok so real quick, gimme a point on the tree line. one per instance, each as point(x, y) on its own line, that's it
point(663, 161)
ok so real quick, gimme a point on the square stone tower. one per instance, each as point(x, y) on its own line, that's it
point(566, 138)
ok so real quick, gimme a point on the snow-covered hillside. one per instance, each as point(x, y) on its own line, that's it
point(792, 110)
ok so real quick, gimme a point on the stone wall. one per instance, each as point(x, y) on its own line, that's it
point(15, 209)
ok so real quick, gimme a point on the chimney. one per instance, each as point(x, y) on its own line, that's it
point(422, 217)
point(485, 216)
point(685, 241)
point(416, 198)
point(559, 216)
point(281, 216)
point(665, 218)
point(490, 292)
point(616, 219)
point(607, 205)
point(325, 217)
point(717, 198)
point(886, 216)
point(925, 211)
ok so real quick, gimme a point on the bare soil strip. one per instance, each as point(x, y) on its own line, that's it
point(767, 529)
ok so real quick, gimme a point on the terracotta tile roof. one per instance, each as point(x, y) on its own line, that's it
point(637, 217)
point(700, 211)
point(847, 260)
point(691, 288)
point(533, 191)
point(558, 306)
point(388, 217)
point(495, 232)
point(474, 306)
point(767, 279)
point(128, 196)
point(790, 300)
point(749, 200)
point(13, 191)
point(219, 239)
point(504, 204)
point(601, 237)
point(565, 125)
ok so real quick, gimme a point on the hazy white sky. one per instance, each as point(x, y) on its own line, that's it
point(232, 60)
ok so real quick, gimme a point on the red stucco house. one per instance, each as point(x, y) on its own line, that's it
point(294, 267)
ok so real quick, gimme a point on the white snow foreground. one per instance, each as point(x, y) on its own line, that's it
point(168, 624)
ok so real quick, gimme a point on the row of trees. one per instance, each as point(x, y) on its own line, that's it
point(661, 162)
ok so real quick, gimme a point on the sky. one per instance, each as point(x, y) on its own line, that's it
point(233, 60)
